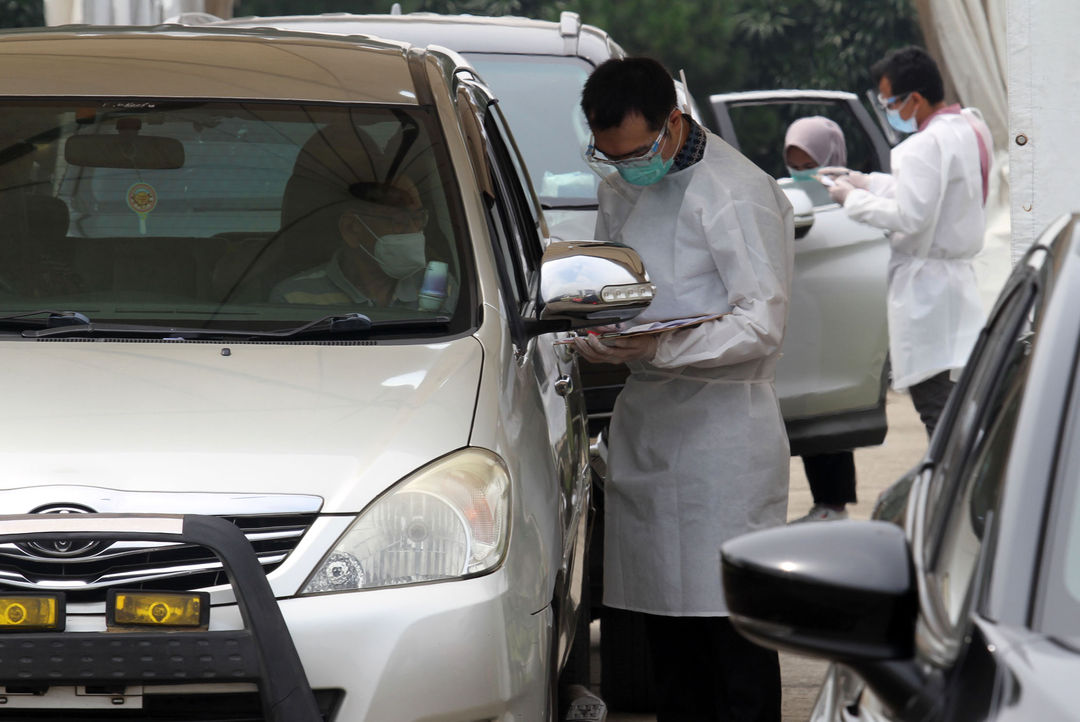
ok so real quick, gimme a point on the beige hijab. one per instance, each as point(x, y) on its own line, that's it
point(820, 137)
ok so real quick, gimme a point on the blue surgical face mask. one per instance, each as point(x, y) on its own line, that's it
point(646, 175)
point(807, 174)
point(904, 126)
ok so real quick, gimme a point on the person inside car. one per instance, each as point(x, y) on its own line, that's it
point(382, 255)
point(354, 230)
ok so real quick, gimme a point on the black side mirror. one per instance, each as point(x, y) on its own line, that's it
point(843, 590)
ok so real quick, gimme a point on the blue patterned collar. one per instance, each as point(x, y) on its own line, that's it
point(693, 149)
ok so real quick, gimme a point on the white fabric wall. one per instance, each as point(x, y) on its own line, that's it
point(117, 12)
point(1044, 114)
point(970, 36)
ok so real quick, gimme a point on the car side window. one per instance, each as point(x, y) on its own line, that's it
point(513, 154)
point(967, 479)
point(518, 227)
point(502, 226)
point(760, 129)
point(510, 173)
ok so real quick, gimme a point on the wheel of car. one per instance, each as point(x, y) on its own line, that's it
point(625, 666)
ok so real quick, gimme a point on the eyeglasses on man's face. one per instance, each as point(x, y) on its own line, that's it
point(638, 157)
point(895, 101)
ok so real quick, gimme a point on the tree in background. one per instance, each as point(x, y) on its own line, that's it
point(723, 45)
point(21, 13)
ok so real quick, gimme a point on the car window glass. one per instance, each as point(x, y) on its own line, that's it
point(540, 96)
point(966, 481)
point(226, 214)
point(506, 142)
point(502, 224)
point(517, 193)
point(760, 129)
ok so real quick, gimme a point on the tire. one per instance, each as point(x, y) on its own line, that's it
point(626, 683)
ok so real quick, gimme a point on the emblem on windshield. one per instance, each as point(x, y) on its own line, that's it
point(62, 548)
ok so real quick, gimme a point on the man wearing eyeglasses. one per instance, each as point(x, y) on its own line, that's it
point(932, 204)
point(698, 452)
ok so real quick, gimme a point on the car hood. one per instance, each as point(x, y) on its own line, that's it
point(342, 422)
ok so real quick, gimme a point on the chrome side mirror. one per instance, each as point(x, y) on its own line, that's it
point(589, 283)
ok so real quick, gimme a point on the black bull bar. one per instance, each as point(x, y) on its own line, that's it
point(262, 652)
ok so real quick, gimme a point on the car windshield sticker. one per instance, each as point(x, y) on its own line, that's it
point(141, 198)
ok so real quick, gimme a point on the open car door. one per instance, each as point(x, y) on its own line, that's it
point(832, 376)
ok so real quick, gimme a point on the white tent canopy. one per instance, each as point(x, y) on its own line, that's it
point(969, 37)
point(1044, 108)
point(128, 12)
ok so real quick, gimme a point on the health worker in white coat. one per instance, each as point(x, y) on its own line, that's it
point(932, 205)
point(698, 450)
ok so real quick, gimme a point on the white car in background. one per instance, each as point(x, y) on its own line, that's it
point(833, 374)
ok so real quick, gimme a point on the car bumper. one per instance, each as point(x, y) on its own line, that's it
point(450, 652)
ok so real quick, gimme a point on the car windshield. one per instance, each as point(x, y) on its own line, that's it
point(228, 215)
point(541, 96)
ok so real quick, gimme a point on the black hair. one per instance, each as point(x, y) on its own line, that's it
point(624, 86)
point(909, 70)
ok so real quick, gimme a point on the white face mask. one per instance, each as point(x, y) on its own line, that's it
point(399, 255)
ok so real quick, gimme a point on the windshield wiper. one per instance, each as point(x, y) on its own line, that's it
point(358, 322)
point(44, 318)
point(332, 324)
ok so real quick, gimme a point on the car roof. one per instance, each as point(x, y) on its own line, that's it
point(462, 33)
point(175, 61)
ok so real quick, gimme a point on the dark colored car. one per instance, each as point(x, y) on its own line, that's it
point(961, 599)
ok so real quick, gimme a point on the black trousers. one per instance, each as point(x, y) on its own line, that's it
point(705, 671)
point(929, 397)
point(831, 477)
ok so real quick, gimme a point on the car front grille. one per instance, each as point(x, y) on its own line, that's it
point(147, 565)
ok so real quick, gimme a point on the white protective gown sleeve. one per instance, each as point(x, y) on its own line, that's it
point(698, 451)
point(933, 210)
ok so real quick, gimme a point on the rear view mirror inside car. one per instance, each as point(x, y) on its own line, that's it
point(125, 150)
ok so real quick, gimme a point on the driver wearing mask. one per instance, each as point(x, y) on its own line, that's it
point(381, 259)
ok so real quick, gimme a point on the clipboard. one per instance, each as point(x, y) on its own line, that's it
point(653, 327)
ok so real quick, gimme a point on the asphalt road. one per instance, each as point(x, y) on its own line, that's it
point(876, 468)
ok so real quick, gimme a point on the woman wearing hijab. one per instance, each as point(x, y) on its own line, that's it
point(810, 144)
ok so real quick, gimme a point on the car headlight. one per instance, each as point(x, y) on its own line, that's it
point(446, 521)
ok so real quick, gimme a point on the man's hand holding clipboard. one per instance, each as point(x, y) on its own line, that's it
point(634, 343)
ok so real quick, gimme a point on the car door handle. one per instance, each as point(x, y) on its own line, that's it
point(564, 385)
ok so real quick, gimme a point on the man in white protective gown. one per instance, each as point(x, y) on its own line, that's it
point(698, 452)
point(932, 206)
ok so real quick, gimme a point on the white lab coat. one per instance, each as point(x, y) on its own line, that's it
point(932, 204)
point(698, 449)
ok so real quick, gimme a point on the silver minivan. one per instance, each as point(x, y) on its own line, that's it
point(286, 434)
